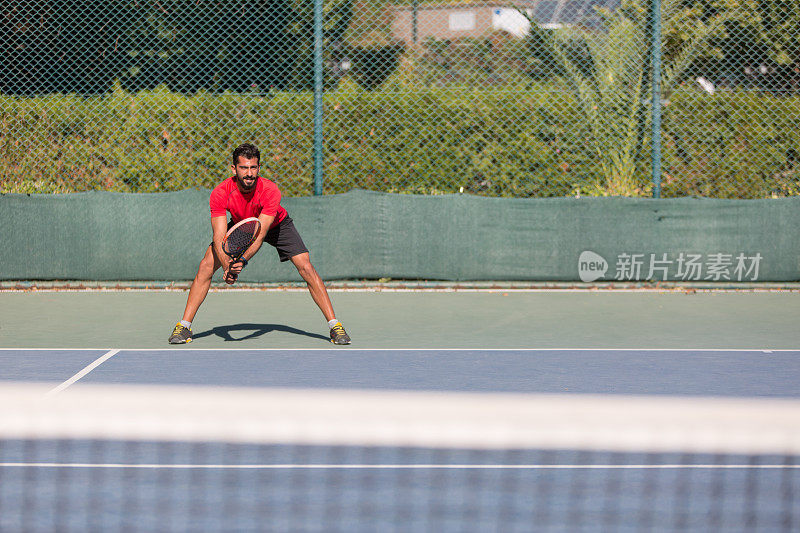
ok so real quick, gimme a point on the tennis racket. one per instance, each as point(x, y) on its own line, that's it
point(239, 238)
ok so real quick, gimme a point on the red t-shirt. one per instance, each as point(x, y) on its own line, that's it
point(265, 198)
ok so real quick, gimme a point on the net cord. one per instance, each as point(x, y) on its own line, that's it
point(402, 418)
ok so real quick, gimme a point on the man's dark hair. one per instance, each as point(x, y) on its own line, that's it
point(247, 151)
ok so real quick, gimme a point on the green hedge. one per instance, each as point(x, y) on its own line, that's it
point(526, 142)
point(741, 145)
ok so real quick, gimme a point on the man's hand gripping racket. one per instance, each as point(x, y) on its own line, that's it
point(236, 242)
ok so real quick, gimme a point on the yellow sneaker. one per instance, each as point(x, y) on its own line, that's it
point(339, 335)
point(181, 334)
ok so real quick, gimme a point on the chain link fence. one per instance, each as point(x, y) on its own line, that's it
point(536, 98)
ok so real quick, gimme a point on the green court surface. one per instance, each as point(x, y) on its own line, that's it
point(258, 319)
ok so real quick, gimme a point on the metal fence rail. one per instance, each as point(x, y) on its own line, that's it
point(522, 98)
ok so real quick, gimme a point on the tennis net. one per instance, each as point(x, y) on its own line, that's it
point(140, 458)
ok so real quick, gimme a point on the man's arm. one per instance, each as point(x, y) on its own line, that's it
point(219, 227)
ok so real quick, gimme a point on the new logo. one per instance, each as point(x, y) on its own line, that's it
point(591, 266)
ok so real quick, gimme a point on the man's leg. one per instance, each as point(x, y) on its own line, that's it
point(197, 293)
point(315, 285)
point(320, 295)
point(201, 284)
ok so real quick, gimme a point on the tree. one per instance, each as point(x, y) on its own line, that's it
point(69, 46)
point(337, 15)
point(213, 45)
point(781, 23)
point(237, 45)
point(760, 35)
point(611, 79)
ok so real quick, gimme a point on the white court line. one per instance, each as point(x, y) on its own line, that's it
point(432, 290)
point(53, 349)
point(88, 368)
point(349, 349)
point(340, 349)
point(400, 466)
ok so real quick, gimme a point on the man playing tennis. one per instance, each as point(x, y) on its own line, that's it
point(244, 195)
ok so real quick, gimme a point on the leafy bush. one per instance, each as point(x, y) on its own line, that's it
point(531, 141)
point(715, 148)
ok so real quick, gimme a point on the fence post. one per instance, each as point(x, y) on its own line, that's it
point(415, 21)
point(655, 61)
point(318, 89)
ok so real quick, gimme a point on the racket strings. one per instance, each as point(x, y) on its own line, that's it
point(240, 239)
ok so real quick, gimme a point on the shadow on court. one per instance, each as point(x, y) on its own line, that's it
point(243, 332)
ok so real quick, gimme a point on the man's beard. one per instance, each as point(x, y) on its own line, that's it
point(245, 187)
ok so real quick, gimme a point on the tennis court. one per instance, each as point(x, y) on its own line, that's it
point(396, 318)
point(562, 235)
point(493, 410)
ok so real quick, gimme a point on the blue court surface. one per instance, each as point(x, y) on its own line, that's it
point(733, 373)
point(343, 471)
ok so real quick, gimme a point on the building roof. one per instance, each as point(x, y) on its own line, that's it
point(546, 12)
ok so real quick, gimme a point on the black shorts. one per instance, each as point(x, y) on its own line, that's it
point(284, 238)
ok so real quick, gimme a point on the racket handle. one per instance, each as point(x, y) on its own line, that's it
point(230, 277)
